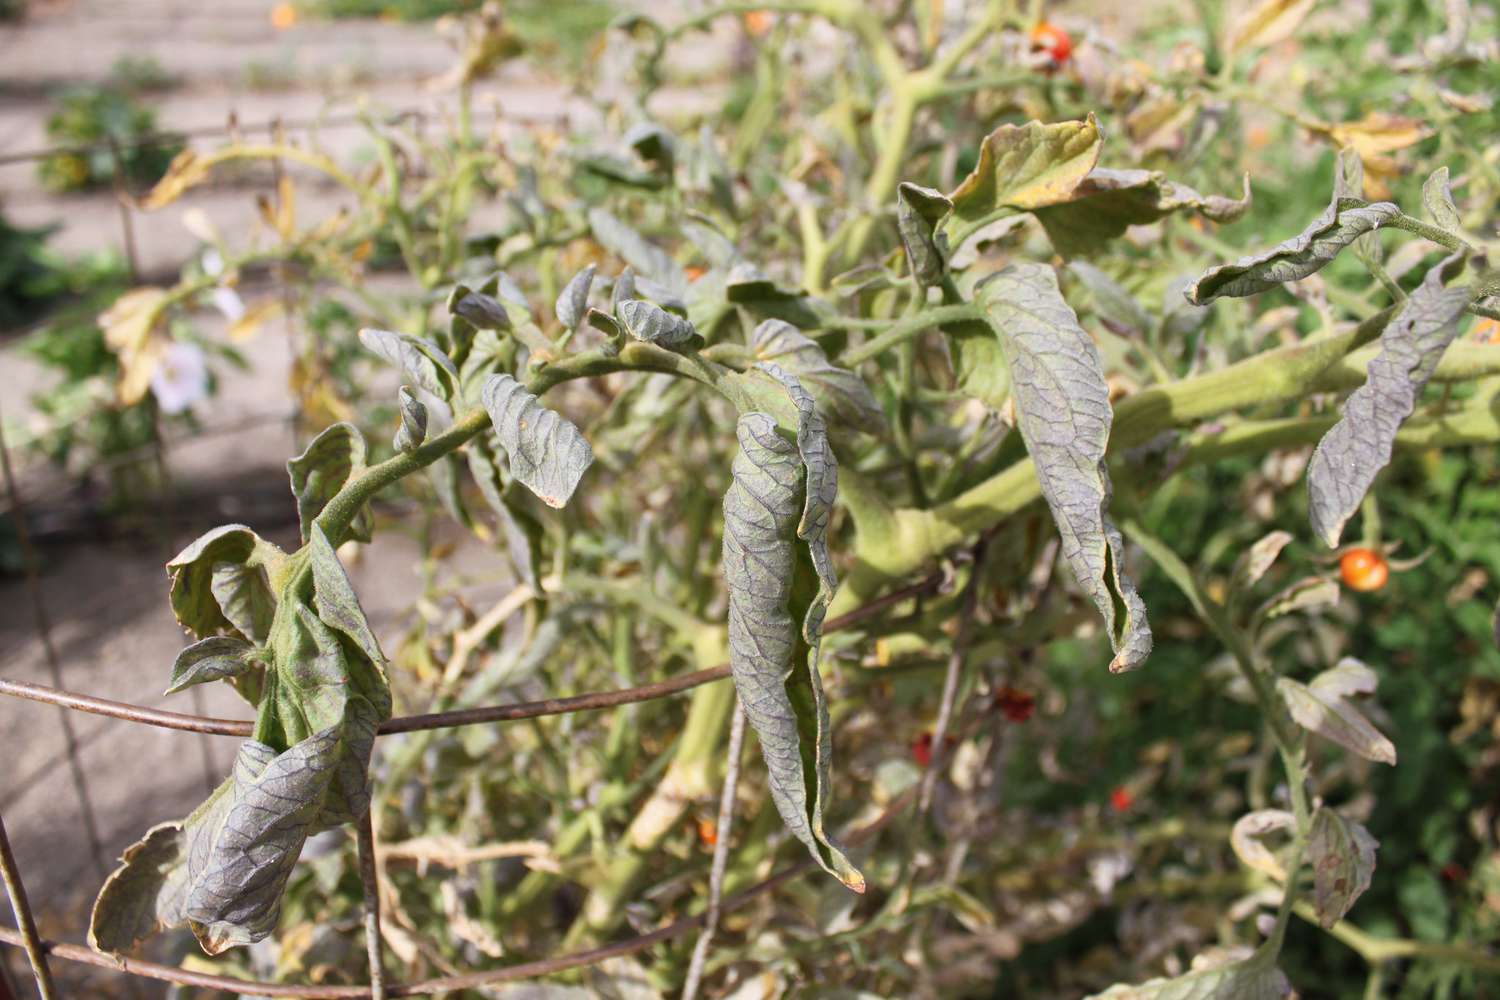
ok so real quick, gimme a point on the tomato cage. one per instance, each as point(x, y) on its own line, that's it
point(39, 950)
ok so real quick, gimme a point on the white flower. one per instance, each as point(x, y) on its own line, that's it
point(181, 378)
point(229, 303)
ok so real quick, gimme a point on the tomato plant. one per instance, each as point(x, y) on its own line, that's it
point(923, 388)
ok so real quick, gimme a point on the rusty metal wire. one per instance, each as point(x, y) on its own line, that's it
point(492, 713)
point(466, 981)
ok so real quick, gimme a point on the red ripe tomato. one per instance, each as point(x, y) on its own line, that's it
point(1049, 38)
point(1017, 706)
point(921, 747)
point(1121, 799)
point(1364, 569)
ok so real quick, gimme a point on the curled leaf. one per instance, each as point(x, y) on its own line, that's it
point(145, 894)
point(211, 659)
point(1245, 839)
point(1063, 412)
point(520, 531)
point(1107, 202)
point(238, 865)
point(1352, 453)
point(243, 592)
point(481, 311)
point(1342, 853)
point(1266, 23)
point(649, 322)
point(779, 501)
point(1345, 678)
point(841, 393)
point(422, 362)
point(1298, 257)
point(920, 212)
point(1259, 558)
point(1026, 167)
point(1333, 718)
point(1437, 198)
point(1253, 978)
point(573, 302)
point(547, 453)
point(413, 429)
point(330, 460)
point(193, 570)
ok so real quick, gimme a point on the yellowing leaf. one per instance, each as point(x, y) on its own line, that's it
point(128, 326)
point(1267, 23)
point(1028, 166)
point(255, 317)
point(186, 170)
point(1372, 137)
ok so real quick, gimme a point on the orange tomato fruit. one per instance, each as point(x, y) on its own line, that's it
point(708, 832)
point(1364, 569)
point(758, 22)
point(283, 16)
point(1049, 38)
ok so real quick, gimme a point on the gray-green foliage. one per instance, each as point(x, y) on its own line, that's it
point(547, 454)
point(1306, 253)
point(329, 461)
point(321, 698)
point(780, 579)
point(1063, 412)
point(1352, 453)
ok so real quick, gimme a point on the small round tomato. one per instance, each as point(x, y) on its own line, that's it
point(1049, 38)
point(708, 832)
point(1015, 705)
point(1121, 799)
point(1364, 569)
point(921, 747)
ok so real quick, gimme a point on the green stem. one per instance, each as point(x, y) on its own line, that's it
point(909, 327)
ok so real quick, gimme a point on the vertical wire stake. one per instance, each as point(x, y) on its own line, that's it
point(29, 937)
point(721, 854)
point(365, 834)
point(54, 665)
point(127, 224)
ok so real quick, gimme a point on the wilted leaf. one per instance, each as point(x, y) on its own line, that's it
point(1437, 197)
point(335, 600)
point(573, 302)
point(1267, 23)
point(481, 311)
point(1307, 593)
point(243, 590)
point(1107, 202)
point(919, 213)
point(238, 866)
point(130, 326)
point(1117, 307)
point(649, 322)
point(1298, 257)
point(421, 362)
point(145, 894)
point(1347, 677)
point(413, 429)
point(635, 250)
point(211, 659)
point(1342, 854)
point(1254, 978)
point(331, 459)
point(1027, 167)
point(1333, 718)
point(192, 572)
point(1063, 411)
point(780, 498)
point(187, 170)
point(547, 453)
point(1259, 558)
point(1246, 836)
point(840, 393)
point(1352, 453)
